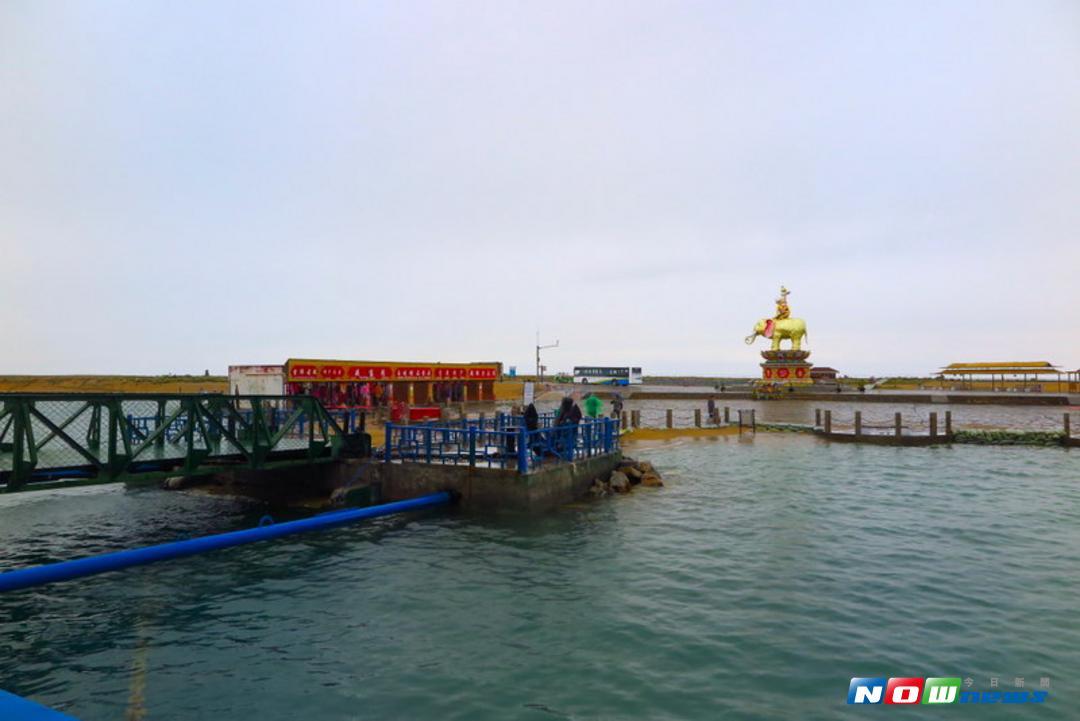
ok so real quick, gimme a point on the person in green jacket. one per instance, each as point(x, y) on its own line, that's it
point(593, 406)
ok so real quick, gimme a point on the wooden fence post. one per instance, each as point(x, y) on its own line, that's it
point(1068, 427)
point(933, 425)
point(697, 417)
point(828, 422)
point(669, 418)
point(817, 417)
point(727, 414)
point(948, 423)
point(858, 423)
point(899, 431)
point(624, 419)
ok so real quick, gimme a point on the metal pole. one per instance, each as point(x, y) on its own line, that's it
point(160, 421)
point(539, 368)
point(389, 445)
point(523, 451)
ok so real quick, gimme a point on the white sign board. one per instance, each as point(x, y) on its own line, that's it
point(530, 392)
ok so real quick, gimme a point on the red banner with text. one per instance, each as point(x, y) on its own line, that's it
point(316, 371)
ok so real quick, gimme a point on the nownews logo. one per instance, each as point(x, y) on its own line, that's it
point(908, 691)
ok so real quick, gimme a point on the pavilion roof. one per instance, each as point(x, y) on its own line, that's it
point(1007, 367)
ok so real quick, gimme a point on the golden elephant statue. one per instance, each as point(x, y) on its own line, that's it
point(794, 329)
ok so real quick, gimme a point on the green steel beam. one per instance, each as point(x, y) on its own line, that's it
point(213, 429)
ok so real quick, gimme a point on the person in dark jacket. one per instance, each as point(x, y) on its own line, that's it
point(532, 418)
point(563, 433)
point(562, 416)
point(575, 414)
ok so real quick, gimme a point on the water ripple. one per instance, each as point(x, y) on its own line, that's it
point(764, 576)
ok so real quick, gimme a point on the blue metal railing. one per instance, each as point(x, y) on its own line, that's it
point(500, 442)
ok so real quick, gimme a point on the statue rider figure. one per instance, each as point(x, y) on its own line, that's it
point(782, 310)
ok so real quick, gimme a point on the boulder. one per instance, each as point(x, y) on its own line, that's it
point(651, 480)
point(619, 482)
point(598, 488)
point(633, 473)
point(646, 467)
point(174, 483)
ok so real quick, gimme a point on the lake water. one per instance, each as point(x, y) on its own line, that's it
point(768, 572)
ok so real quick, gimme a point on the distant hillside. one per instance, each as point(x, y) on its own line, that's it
point(114, 384)
point(694, 380)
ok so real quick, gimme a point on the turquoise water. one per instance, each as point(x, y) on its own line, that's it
point(765, 575)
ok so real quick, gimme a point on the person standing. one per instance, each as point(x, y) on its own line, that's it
point(593, 406)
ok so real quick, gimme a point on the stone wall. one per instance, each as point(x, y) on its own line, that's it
point(497, 489)
point(332, 483)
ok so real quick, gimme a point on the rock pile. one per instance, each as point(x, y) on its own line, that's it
point(628, 474)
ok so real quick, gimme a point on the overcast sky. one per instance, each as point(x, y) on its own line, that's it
point(188, 185)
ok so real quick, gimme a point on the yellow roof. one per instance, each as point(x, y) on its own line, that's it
point(1017, 367)
point(1007, 364)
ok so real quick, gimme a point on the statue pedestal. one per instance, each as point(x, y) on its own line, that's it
point(785, 367)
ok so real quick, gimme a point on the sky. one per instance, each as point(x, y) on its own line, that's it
point(185, 186)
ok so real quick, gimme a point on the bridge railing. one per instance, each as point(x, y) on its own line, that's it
point(45, 437)
point(500, 444)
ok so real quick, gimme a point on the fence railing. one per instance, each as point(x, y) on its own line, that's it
point(500, 442)
point(105, 437)
point(348, 419)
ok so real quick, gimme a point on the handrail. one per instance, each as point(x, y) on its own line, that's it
point(509, 446)
point(114, 435)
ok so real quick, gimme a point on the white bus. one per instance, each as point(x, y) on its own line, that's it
point(611, 375)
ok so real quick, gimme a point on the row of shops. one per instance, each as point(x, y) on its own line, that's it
point(369, 384)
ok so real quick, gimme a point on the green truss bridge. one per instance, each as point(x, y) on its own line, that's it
point(49, 440)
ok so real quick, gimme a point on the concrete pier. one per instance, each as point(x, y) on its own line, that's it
point(366, 481)
point(497, 489)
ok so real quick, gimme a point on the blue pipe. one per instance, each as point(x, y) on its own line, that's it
point(13, 708)
point(105, 562)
